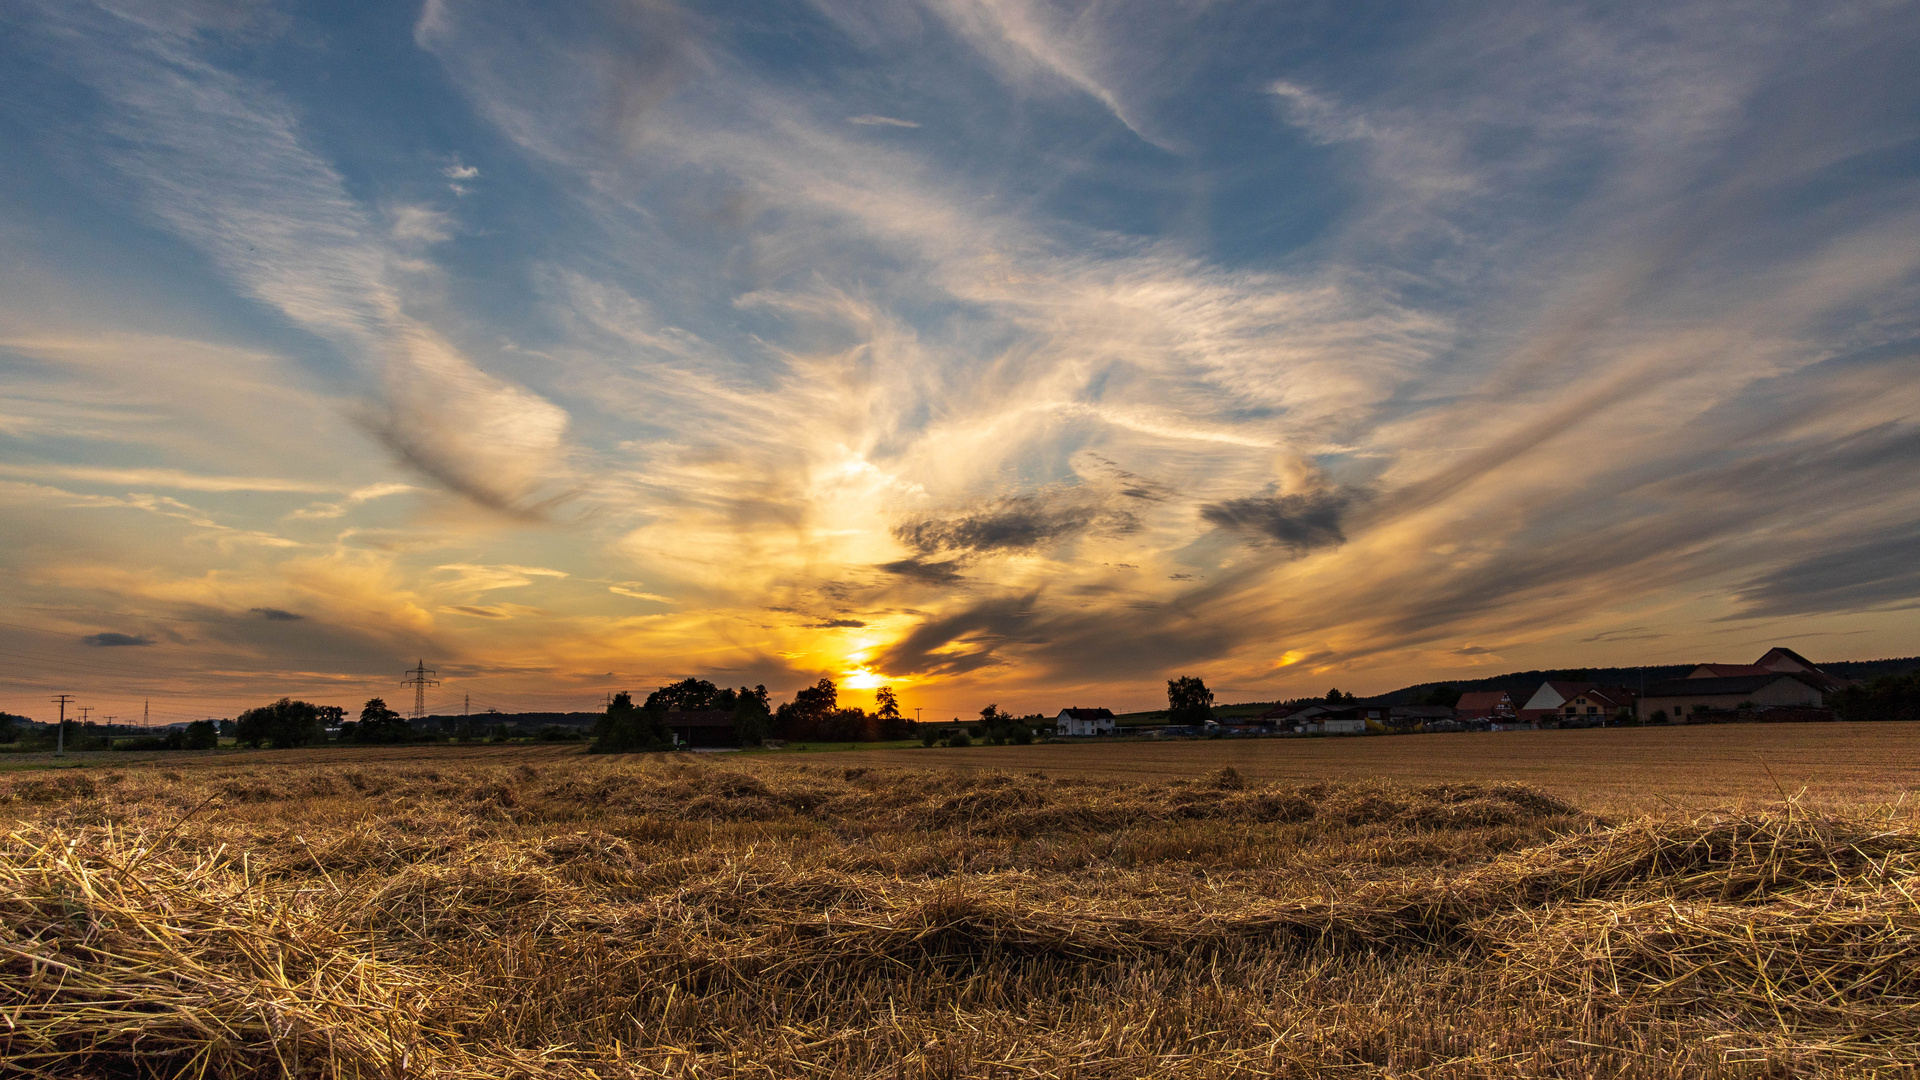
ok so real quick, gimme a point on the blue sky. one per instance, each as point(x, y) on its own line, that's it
point(996, 349)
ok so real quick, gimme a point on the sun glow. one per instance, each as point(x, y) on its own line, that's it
point(863, 678)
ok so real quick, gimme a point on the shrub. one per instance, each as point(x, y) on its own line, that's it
point(959, 738)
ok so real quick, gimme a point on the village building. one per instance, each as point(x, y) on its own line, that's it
point(1559, 701)
point(1075, 722)
point(702, 728)
point(1484, 705)
point(1681, 698)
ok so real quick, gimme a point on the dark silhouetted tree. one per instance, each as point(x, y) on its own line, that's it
point(626, 730)
point(690, 695)
point(284, 723)
point(752, 720)
point(809, 713)
point(378, 724)
point(1188, 701)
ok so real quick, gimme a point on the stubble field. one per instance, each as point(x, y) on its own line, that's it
point(1194, 910)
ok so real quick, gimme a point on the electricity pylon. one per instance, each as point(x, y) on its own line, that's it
point(420, 678)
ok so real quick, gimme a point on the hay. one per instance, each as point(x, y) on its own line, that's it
point(674, 918)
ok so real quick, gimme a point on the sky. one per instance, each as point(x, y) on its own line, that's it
point(996, 350)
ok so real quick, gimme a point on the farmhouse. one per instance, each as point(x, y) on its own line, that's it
point(1084, 722)
point(1680, 697)
point(1558, 700)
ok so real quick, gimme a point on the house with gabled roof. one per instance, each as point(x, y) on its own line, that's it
point(1778, 660)
point(1560, 700)
point(1075, 722)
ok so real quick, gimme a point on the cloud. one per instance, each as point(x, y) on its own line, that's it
point(573, 89)
point(460, 172)
point(420, 225)
point(1876, 572)
point(276, 615)
point(929, 572)
point(871, 120)
point(110, 639)
point(1013, 523)
point(221, 161)
point(632, 588)
point(478, 578)
point(481, 612)
point(839, 624)
point(177, 479)
point(1299, 523)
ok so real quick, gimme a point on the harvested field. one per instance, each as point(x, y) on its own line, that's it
point(570, 916)
point(1615, 770)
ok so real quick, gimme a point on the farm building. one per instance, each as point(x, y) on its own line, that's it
point(1777, 660)
point(1560, 701)
point(1084, 722)
point(702, 727)
point(1680, 697)
point(1492, 705)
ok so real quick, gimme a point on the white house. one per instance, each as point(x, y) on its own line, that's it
point(1084, 722)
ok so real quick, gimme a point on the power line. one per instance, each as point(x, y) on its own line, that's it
point(60, 743)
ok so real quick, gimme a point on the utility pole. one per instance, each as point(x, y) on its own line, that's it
point(146, 714)
point(420, 678)
point(60, 740)
point(109, 721)
point(916, 715)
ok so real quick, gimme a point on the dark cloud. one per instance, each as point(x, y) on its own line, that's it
point(839, 624)
point(109, 639)
point(1300, 523)
point(1016, 523)
point(274, 614)
point(964, 641)
point(1876, 573)
point(932, 573)
point(479, 612)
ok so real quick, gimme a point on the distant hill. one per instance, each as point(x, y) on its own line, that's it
point(1519, 683)
point(1632, 678)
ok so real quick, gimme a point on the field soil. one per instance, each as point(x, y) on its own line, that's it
point(561, 915)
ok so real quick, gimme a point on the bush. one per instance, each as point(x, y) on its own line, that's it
point(929, 737)
point(959, 738)
point(1889, 697)
point(556, 733)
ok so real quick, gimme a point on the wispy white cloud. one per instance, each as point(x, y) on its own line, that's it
point(221, 161)
point(871, 120)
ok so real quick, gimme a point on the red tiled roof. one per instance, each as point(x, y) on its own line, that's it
point(1484, 701)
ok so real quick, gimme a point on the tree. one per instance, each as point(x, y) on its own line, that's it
point(378, 724)
point(200, 735)
point(1189, 702)
point(1335, 697)
point(1445, 694)
point(752, 721)
point(810, 711)
point(9, 727)
point(284, 723)
point(626, 730)
point(885, 705)
point(689, 695)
